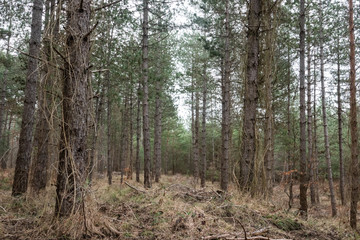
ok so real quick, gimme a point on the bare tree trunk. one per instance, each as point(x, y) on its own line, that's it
point(38, 178)
point(289, 160)
point(23, 159)
point(340, 134)
point(326, 136)
point(72, 157)
point(303, 177)
point(315, 151)
point(309, 128)
point(138, 135)
point(197, 135)
point(124, 138)
point(146, 129)
point(248, 152)
point(157, 132)
point(268, 74)
point(353, 124)
point(131, 129)
point(108, 114)
point(203, 135)
point(226, 106)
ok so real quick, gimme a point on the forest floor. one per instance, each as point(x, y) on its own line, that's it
point(172, 209)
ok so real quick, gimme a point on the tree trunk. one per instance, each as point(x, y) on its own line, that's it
point(289, 160)
point(340, 134)
point(157, 132)
point(197, 134)
point(326, 136)
point(353, 124)
point(268, 74)
point(26, 134)
point(72, 157)
point(131, 129)
point(226, 106)
point(146, 128)
point(309, 128)
point(40, 163)
point(124, 138)
point(303, 177)
point(203, 131)
point(138, 135)
point(251, 96)
point(315, 151)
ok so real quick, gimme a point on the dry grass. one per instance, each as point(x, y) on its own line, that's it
point(172, 209)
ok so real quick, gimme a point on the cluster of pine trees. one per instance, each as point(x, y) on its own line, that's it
point(93, 88)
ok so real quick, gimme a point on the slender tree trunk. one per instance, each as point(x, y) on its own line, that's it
point(326, 136)
point(309, 128)
point(138, 135)
point(303, 177)
point(248, 152)
point(340, 134)
point(124, 138)
point(353, 124)
point(131, 129)
point(157, 132)
point(315, 151)
point(203, 131)
point(72, 157)
point(146, 128)
point(23, 159)
point(197, 135)
point(226, 106)
point(289, 160)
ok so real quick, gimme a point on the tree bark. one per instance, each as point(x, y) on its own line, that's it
point(72, 157)
point(248, 153)
point(340, 131)
point(326, 135)
point(146, 128)
point(157, 131)
point(203, 133)
point(353, 124)
point(309, 128)
point(40, 163)
point(226, 106)
point(315, 151)
point(23, 159)
point(303, 175)
point(138, 135)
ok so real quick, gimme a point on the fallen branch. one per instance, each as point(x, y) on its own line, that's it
point(142, 191)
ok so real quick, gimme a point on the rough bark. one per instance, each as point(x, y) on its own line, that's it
point(157, 131)
point(72, 157)
point(326, 135)
point(146, 128)
point(138, 135)
point(131, 135)
point(226, 106)
point(40, 163)
point(340, 131)
point(289, 160)
point(203, 132)
point(268, 74)
point(353, 124)
point(26, 133)
point(309, 129)
point(197, 134)
point(124, 138)
point(248, 153)
point(303, 175)
point(315, 151)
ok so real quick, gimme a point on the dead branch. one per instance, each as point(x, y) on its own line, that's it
point(142, 191)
